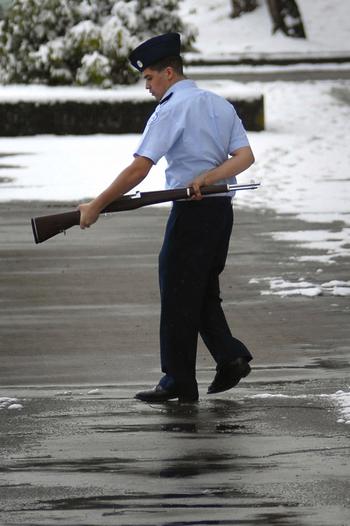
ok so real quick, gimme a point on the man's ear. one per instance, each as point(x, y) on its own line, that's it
point(169, 73)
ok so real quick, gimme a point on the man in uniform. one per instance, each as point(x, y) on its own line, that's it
point(204, 143)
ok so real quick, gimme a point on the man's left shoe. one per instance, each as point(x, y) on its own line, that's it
point(229, 375)
point(159, 395)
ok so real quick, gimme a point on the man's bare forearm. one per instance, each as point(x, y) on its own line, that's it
point(130, 177)
point(240, 161)
point(125, 182)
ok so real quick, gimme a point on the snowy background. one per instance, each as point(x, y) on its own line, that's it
point(326, 22)
point(302, 158)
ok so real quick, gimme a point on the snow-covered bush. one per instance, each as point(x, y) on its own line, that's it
point(81, 42)
point(49, 64)
point(155, 14)
point(95, 69)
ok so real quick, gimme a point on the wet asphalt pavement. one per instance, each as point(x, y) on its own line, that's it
point(79, 336)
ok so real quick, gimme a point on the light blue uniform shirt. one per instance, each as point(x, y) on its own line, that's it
point(195, 130)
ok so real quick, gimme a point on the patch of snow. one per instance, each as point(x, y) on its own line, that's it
point(15, 407)
point(10, 403)
point(335, 244)
point(278, 286)
point(94, 392)
point(342, 400)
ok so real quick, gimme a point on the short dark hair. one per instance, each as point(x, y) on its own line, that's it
point(174, 62)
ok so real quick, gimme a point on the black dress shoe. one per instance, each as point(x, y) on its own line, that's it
point(229, 375)
point(160, 394)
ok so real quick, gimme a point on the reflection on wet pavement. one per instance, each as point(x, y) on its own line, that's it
point(244, 459)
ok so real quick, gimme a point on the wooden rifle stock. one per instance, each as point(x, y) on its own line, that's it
point(45, 227)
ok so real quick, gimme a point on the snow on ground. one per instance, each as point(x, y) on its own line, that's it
point(326, 24)
point(278, 286)
point(342, 400)
point(303, 156)
point(14, 93)
point(39, 93)
point(303, 161)
point(331, 244)
point(65, 168)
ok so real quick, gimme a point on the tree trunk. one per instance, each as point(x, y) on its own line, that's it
point(286, 16)
point(242, 6)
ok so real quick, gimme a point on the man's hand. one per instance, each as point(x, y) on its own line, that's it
point(130, 177)
point(196, 185)
point(88, 214)
point(239, 161)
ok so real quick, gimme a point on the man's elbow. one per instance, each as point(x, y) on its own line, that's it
point(250, 157)
point(246, 157)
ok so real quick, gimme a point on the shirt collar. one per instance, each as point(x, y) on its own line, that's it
point(178, 86)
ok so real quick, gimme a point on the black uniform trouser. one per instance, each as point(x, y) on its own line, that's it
point(192, 257)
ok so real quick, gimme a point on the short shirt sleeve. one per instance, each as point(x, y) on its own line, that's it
point(160, 134)
point(238, 137)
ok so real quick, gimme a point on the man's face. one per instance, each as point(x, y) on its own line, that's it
point(157, 82)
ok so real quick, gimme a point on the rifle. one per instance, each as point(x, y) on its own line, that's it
point(45, 227)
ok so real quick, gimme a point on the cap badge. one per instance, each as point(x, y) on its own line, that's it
point(139, 63)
